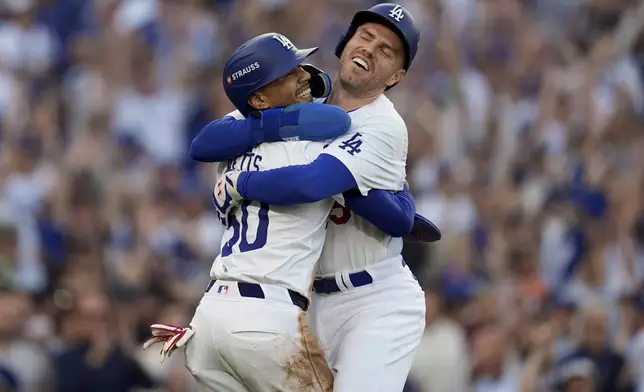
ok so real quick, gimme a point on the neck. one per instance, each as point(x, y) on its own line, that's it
point(347, 100)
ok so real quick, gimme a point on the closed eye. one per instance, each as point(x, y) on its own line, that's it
point(366, 34)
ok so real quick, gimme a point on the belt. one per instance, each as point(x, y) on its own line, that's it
point(254, 290)
point(329, 285)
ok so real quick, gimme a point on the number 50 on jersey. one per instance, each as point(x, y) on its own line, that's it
point(240, 230)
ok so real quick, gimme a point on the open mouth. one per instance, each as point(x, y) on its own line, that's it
point(305, 93)
point(360, 62)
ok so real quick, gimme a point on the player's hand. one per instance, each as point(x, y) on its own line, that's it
point(171, 336)
point(225, 195)
point(320, 81)
point(301, 121)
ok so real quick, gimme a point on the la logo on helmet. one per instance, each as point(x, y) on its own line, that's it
point(397, 13)
point(284, 41)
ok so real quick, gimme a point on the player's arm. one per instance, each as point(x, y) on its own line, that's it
point(328, 176)
point(392, 213)
point(322, 179)
point(233, 135)
point(224, 139)
point(297, 184)
point(373, 159)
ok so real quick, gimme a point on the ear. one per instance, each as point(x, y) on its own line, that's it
point(396, 77)
point(258, 101)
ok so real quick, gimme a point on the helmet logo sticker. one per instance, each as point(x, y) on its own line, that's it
point(286, 43)
point(246, 70)
point(397, 13)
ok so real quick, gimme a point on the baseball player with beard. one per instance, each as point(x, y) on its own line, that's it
point(250, 331)
point(367, 310)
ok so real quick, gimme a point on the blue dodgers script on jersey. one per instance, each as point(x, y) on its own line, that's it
point(352, 146)
point(247, 162)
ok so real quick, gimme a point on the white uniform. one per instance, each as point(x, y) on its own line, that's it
point(370, 332)
point(263, 343)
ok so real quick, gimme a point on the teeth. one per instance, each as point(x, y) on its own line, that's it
point(361, 63)
point(304, 93)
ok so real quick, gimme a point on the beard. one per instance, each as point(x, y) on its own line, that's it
point(358, 83)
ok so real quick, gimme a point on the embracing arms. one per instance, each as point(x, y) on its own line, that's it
point(230, 137)
point(393, 213)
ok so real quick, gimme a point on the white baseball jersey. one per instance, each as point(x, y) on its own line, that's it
point(269, 244)
point(375, 151)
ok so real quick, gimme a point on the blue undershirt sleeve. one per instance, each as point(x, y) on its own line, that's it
point(393, 213)
point(297, 184)
point(224, 139)
point(322, 179)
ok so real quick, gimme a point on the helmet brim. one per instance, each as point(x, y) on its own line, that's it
point(302, 54)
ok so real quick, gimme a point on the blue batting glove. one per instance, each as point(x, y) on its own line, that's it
point(301, 121)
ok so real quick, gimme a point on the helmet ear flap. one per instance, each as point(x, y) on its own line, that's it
point(320, 81)
point(348, 33)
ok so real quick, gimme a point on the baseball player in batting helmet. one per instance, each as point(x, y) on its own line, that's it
point(267, 71)
point(392, 17)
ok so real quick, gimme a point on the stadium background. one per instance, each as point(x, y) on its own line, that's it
point(525, 147)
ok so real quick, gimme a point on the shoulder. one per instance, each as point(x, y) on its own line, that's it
point(380, 115)
point(236, 115)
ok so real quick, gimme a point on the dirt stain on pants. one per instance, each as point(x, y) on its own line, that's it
point(308, 368)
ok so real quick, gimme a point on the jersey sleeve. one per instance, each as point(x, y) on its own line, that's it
point(375, 153)
point(236, 114)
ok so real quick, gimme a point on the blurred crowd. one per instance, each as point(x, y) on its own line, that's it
point(526, 145)
point(525, 122)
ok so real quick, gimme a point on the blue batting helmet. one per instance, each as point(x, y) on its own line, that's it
point(258, 62)
point(393, 16)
